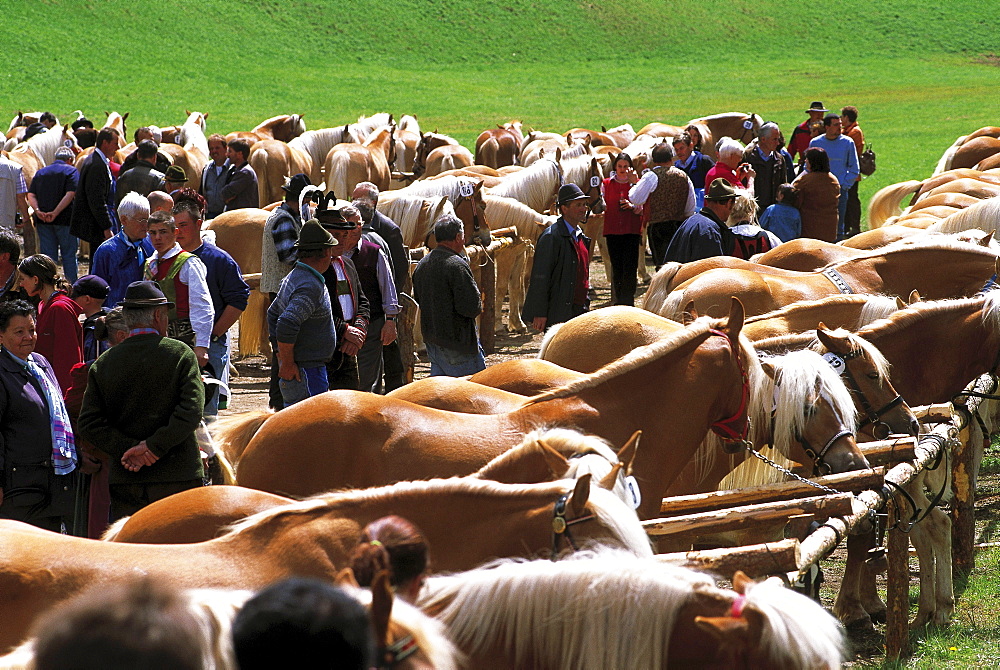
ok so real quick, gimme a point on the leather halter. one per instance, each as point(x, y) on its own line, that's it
point(880, 429)
point(392, 655)
point(750, 129)
point(735, 428)
point(837, 280)
point(820, 466)
point(561, 525)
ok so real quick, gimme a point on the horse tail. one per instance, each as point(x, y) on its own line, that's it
point(886, 203)
point(673, 306)
point(547, 339)
point(258, 161)
point(948, 156)
point(232, 434)
point(659, 287)
point(114, 530)
point(487, 153)
point(252, 322)
point(338, 174)
point(226, 469)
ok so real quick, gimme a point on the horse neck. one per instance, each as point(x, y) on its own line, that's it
point(935, 357)
point(44, 145)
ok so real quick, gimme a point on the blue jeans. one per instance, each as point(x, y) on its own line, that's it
point(55, 239)
point(218, 358)
point(314, 381)
point(451, 363)
point(845, 194)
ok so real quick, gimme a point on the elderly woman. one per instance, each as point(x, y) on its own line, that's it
point(37, 451)
point(818, 194)
point(60, 332)
point(730, 166)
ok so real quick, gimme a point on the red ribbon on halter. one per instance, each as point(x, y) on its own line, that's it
point(735, 428)
point(736, 611)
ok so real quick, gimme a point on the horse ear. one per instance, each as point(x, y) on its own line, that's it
point(556, 462)
point(899, 302)
point(768, 369)
point(346, 578)
point(608, 483)
point(603, 129)
point(205, 116)
point(627, 453)
point(187, 112)
point(828, 340)
point(736, 316)
point(581, 494)
point(723, 627)
point(989, 238)
point(125, 115)
point(381, 607)
point(558, 155)
point(690, 313)
point(914, 297)
point(741, 582)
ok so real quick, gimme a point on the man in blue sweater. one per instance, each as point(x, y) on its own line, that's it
point(843, 162)
point(300, 319)
point(229, 292)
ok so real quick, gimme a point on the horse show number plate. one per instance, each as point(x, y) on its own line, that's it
point(466, 189)
point(632, 486)
point(595, 181)
point(835, 361)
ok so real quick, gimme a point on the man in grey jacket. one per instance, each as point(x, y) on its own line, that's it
point(300, 319)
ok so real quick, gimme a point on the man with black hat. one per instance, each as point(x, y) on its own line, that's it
point(300, 319)
point(174, 178)
point(799, 141)
point(90, 292)
point(705, 234)
point(149, 436)
point(560, 278)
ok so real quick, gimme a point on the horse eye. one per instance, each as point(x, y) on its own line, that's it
point(874, 376)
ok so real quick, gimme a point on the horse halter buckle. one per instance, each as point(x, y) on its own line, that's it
point(880, 429)
point(560, 525)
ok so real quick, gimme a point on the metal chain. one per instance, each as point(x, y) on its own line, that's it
point(786, 471)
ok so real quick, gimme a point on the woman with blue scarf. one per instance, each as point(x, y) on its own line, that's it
point(37, 451)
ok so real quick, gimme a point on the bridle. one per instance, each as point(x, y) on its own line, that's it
point(736, 428)
point(880, 429)
point(820, 466)
point(561, 525)
point(748, 129)
point(393, 654)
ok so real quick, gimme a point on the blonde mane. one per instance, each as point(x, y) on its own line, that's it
point(608, 609)
point(873, 307)
point(577, 170)
point(989, 302)
point(414, 214)
point(535, 185)
point(449, 186)
point(984, 215)
point(502, 212)
point(44, 145)
point(366, 124)
point(192, 133)
point(317, 143)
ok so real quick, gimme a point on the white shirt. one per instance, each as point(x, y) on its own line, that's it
point(640, 193)
point(200, 310)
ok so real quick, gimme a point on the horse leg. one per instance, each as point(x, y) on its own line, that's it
point(644, 276)
point(945, 592)
point(602, 244)
point(848, 608)
point(515, 283)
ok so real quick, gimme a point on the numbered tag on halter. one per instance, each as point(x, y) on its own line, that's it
point(835, 361)
point(465, 189)
point(68, 144)
point(595, 181)
point(748, 124)
point(632, 486)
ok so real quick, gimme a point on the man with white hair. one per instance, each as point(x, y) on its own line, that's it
point(768, 165)
point(730, 166)
point(121, 259)
point(51, 196)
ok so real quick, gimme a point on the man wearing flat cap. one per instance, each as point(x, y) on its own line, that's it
point(560, 277)
point(300, 319)
point(705, 234)
point(142, 405)
point(90, 292)
point(174, 178)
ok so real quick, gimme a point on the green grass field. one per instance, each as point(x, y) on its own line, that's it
point(920, 73)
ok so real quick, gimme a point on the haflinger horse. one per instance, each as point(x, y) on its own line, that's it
point(204, 513)
point(447, 157)
point(428, 143)
point(40, 150)
point(500, 146)
point(469, 520)
point(739, 126)
point(936, 268)
point(607, 609)
point(317, 143)
point(273, 161)
point(695, 380)
point(535, 186)
point(282, 127)
point(240, 233)
point(191, 150)
point(347, 165)
point(466, 197)
point(405, 637)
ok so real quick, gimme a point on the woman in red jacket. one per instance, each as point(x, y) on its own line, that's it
point(60, 333)
point(622, 229)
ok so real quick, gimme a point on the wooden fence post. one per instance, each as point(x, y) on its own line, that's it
point(897, 634)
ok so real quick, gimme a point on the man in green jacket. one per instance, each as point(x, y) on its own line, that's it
point(143, 403)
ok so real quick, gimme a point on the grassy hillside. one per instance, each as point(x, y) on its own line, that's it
point(921, 73)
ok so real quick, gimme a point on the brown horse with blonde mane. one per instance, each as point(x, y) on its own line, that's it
point(694, 380)
point(470, 520)
point(347, 165)
point(283, 127)
point(936, 268)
